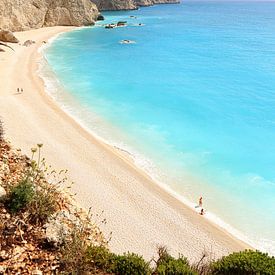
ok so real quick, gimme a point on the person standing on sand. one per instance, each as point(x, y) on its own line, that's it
point(18, 91)
point(200, 202)
point(202, 212)
point(21, 90)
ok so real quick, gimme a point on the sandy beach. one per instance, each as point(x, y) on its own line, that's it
point(139, 213)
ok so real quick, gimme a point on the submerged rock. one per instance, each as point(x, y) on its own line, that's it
point(126, 41)
point(110, 26)
point(121, 23)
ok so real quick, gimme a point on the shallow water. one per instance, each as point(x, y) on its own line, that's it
point(193, 101)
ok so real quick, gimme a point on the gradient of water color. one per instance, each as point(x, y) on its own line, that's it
point(193, 101)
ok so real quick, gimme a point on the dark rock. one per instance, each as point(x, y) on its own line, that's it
point(7, 36)
point(28, 43)
point(110, 26)
point(100, 17)
point(121, 23)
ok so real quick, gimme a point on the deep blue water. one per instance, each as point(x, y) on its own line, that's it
point(193, 100)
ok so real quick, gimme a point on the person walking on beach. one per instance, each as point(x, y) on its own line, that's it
point(18, 91)
point(200, 202)
point(21, 90)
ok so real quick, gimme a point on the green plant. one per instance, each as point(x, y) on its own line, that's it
point(247, 262)
point(168, 265)
point(20, 196)
point(130, 264)
point(44, 203)
point(100, 258)
point(46, 196)
point(73, 252)
point(77, 255)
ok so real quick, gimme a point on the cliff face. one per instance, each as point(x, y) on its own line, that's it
point(129, 4)
point(18, 15)
point(115, 4)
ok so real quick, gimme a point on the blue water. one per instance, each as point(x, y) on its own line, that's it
point(193, 100)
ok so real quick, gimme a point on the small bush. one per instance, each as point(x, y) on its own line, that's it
point(247, 262)
point(168, 265)
point(77, 255)
point(20, 196)
point(131, 264)
point(44, 203)
point(72, 258)
point(100, 258)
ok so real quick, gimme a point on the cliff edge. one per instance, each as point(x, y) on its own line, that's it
point(19, 15)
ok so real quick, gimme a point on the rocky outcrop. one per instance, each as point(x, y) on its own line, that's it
point(100, 17)
point(7, 36)
point(115, 4)
point(18, 15)
point(129, 4)
point(144, 3)
point(28, 43)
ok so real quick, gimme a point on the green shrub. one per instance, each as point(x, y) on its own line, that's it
point(101, 258)
point(44, 203)
point(20, 196)
point(131, 264)
point(247, 262)
point(168, 265)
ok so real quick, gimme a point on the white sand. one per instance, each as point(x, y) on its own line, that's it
point(139, 213)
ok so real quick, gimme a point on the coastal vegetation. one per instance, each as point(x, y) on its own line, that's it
point(43, 231)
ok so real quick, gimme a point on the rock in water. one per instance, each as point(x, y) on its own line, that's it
point(7, 36)
point(18, 15)
point(100, 17)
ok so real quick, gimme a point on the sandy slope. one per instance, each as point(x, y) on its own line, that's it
point(139, 214)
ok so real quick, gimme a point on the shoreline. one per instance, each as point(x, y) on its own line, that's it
point(128, 154)
point(116, 177)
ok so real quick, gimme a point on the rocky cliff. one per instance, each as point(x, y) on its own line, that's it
point(129, 4)
point(18, 15)
point(115, 4)
point(154, 2)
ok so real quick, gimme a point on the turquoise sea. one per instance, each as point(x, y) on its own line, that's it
point(192, 101)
